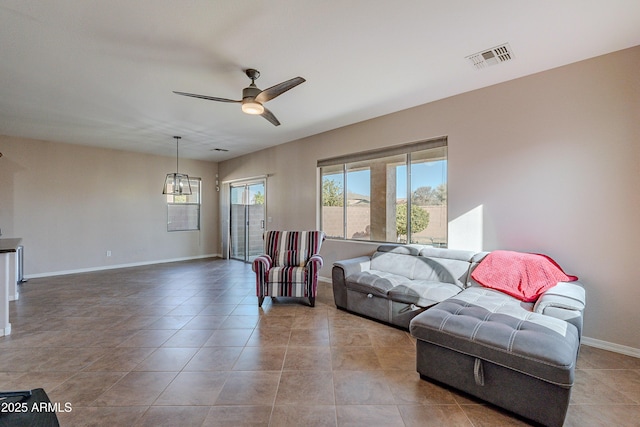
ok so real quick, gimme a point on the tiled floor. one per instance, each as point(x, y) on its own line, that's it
point(184, 344)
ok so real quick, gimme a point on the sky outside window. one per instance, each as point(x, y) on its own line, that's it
point(432, 174)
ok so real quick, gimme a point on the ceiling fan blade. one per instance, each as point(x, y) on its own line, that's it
point(269, 116)
point(210, 98)
point(278, 89)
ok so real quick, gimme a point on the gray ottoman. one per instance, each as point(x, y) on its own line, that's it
point(492, 346)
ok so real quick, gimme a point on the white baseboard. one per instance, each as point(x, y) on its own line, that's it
point(112, 267)
point(616, 348)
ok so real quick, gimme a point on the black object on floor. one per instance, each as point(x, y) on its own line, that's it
point(27, 408)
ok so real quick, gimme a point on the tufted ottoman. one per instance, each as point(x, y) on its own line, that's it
point(492, 346)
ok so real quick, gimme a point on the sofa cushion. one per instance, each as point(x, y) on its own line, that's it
point(395, 263)
point(375, 282)
point(457, 254)
point(441, 270)
point(423, 293)
point(401, 249)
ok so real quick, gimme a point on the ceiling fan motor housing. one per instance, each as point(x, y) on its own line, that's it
point(250, 92)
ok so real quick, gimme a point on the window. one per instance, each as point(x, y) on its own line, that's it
point(183, 212)
point(398, 194)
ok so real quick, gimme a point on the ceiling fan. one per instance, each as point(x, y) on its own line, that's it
point(253, 98)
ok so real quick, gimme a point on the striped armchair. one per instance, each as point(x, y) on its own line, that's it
point(290, 265)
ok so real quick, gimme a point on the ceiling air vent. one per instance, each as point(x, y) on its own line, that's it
point(493, 56)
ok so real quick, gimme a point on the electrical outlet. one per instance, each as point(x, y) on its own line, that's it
point(108, 253)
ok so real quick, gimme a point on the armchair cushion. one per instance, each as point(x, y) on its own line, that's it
point(291, 259)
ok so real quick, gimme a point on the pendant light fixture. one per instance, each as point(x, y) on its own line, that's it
point(177, 184)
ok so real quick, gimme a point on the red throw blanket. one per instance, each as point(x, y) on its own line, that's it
point(521, 275)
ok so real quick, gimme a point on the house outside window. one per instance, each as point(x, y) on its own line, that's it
point(183, 211)
point(398, 194)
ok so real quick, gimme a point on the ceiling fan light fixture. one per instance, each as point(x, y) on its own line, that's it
point(252, 107)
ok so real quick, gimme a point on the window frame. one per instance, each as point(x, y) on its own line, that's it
point(174, 204)
point(341, 163)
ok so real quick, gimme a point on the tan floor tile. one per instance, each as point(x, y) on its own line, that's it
point(354, 358)
point(434, 415)
point(238, 416)
point(148, 338)
point(122, 359)
point(602, 415)
point(261, 359)
point(246, 310)
point(85, 387)
point(590, 389)
point(137, 321)
point(595, 358)
point(408, 388)
point(167, 359)
point(193, 388)
point(218, 309)
point(228, 338)
point(170, 322)
point(309, 337)
point(305, 388)
point(34, 379)
point(188, 338)
point(362, 388)
point(257, 388)
point(271, 336)
point(21, 359)
point(208, 322)
point(136, 388)
point(186, 309)
point(390, 337)
point(308, 321)
point(214, 359)
point(101, 416)
point(401, 357)
point(183, 416)
point(240, 322)
point(275, 320)
point(369, 416)
point(625, 381)
point(490, 416)
point(308, 358)
point(69, 358)
point(304, 415)
point(347, 337)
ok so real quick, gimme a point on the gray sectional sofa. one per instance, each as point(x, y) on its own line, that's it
point(398, 282)
point(518, 355)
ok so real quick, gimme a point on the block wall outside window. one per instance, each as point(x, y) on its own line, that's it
point(183, 212)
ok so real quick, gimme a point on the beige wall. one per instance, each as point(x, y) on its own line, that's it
point(534, 158)
point(71, 204)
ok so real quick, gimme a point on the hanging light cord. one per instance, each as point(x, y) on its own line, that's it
point(177, 139)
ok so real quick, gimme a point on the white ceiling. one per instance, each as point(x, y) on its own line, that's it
point(102, 72)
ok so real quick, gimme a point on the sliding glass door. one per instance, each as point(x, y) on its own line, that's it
point(246, 224)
